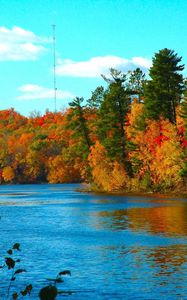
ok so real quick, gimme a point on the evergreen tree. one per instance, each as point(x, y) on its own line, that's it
point(136, 83)
point(112, 116)
point(96, 98)
point(77, 122)
point(164, 91)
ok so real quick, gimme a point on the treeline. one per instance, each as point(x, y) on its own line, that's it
point(129, 136)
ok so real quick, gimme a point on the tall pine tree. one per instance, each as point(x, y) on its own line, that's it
point(112, 116)
point(77, 122)
point(164, 91)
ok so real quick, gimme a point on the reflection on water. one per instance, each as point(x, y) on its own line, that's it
point(117, 247)
point(167, 260)
point(166, 220)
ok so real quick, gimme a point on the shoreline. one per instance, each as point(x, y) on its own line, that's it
point(160, 194)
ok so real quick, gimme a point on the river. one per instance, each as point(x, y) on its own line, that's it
point(116, 247)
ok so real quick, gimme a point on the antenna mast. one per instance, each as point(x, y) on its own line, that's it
point(54, 64)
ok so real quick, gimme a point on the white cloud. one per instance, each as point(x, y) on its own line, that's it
point(33, 91)
point(100, 65)
point(20, 44)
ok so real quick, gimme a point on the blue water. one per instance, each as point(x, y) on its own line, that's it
point(116, 247)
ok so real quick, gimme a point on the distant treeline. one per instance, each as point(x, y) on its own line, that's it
point(130, 136)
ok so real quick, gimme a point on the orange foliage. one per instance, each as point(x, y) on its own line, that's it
point(59, 171)
point(8, 174)
point(44, 148)
point(101, 168)
point(133, 119)
point(160, 153)
point(181, 128)
point(108, 176)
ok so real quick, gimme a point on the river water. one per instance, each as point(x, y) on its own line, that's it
point(116, 247)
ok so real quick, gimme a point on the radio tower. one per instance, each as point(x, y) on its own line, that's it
point(54, 64)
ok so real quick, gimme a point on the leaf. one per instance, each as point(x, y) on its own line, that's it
point(10, 262)
point(29, 288)
point(48, 293)
point(15, 296)
point(16, 246)
point(65, 272)
point(10, 251)
point(24, 293)
point(18, 271)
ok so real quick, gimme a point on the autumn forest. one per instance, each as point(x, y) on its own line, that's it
point(129, 136)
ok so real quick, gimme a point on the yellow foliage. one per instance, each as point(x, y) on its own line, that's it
point(60, 172)
point(107, 175)
point(8, 174)
point(119, 178)
point(160, 153)
point(133, 119)
point(32, 166)
point(101, 168)
point(179, 118)
point(166, 166)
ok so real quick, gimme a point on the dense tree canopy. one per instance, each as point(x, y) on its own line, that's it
point(115, 139)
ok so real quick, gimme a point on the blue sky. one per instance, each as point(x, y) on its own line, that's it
point(91, 37)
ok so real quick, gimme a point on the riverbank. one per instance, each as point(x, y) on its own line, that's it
point(181, 193)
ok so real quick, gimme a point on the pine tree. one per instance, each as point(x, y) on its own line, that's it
point(164, 91)
point(96, 98)
point(112, 116)
point(77, 122)
point(136, 83)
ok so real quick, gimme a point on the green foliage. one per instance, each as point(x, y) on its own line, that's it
point(39, 142)
point(77, 121)
point(96, 98)
point(136, 83)
point(146, 181)
point(112, 115)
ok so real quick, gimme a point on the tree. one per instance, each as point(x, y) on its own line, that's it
point(136, 83)
point(78, 121)
point(107, 175)
point(158, 156)
point(80, 133)
point(96, 98)
point(112, 116)
point(164, 91)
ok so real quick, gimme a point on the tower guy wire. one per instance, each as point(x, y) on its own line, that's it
point(54, 64)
